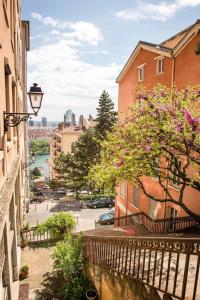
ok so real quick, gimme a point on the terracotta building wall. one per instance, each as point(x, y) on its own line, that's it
point(187, 65)
point(186, 70)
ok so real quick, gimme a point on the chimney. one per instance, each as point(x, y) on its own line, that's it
point(65, 118)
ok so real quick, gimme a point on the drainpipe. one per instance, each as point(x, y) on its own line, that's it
point(172, 85)
point(126, 201)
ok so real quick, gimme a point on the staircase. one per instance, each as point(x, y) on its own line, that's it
point(169, 265)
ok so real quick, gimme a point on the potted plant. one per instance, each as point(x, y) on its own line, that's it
point(91, 294)
point(24, 271)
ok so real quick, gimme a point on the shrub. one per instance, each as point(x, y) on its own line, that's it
point(69, 260)
point(58, 225)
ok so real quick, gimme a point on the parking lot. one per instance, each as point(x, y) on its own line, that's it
point(38, 212)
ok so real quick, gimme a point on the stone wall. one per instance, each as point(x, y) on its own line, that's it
point(113, 286)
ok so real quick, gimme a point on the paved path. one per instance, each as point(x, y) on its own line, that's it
point(40, 277)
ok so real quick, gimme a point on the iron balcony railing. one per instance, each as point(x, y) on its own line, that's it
point(177, 224)
point(169, 265)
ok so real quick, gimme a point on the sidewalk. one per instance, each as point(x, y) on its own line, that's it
point(41, 275)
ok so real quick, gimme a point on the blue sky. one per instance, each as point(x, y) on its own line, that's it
point(78, 47)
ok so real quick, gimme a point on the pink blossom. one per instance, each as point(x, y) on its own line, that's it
point(147, 148)
point(194, 122)
point(119, 163)
point(179, 127)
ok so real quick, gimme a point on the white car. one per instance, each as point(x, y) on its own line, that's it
point(83, 192)
point(70, 194)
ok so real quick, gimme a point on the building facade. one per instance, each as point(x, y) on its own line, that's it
point(14, 44)
point(63, 138)
point(173, 62)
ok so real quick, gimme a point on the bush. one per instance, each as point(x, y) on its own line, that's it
point(58, 225)
point(36, 172)
point(69, 260)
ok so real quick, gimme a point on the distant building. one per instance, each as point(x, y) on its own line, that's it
point(70, 117)
point(40, 132)
point(64, 136)
point(44, 121)
point(31, 123)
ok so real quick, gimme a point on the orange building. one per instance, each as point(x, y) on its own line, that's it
point(174, 61)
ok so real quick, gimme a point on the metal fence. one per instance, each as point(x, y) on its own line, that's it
point(177, 224)
point(31, 235)
point(170, 265)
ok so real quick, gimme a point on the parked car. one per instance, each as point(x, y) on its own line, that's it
point(46, 187)
point(101, 202)
point(37, 199)
point(107, 218)
point(84, 192)
point(69, 194)
point(61, 191)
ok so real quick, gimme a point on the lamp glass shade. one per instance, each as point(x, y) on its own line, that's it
point(33, 157)
point(35, 96)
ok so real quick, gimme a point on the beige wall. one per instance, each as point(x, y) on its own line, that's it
point(14, 43)
point(113, 286)
point(62, 142)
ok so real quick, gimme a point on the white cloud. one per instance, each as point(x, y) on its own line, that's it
point(58, 66)
point(161, 11)
point(80, 31)
point(68, 81)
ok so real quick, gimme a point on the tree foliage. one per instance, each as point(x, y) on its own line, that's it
point(73, 168)
point(40, 146)
point(160, 138)
point(70, 261)
point(58, 225)
point(106, 116)
point(36, 172)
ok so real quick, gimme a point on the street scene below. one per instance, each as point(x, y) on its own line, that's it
point(85, 217)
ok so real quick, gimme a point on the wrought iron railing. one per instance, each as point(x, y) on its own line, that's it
point(169, 265)
point(159, 225)
point(31, 235)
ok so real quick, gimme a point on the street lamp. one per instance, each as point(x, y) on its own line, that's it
point(14, 119)
point(33, 159)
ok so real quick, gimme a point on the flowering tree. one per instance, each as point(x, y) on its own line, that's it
point(159, 138)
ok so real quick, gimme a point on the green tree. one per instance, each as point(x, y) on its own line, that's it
point(40, 146)
point(160, 139)
point(73, 168)
point(36, 172)
point(68, 170)
point(58, 225)
point(85, 152)
point(106, 116)
point(70, 261)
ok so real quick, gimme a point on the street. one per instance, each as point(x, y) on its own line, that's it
point(38, 212)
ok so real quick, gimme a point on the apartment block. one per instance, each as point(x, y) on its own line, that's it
point(175, 61)
point(14, 44)
point(64, 136)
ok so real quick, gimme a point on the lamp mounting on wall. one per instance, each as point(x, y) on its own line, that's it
point(12, 119)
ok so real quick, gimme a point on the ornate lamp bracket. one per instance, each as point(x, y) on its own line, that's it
point(14, 119)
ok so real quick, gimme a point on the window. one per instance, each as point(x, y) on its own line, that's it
point(140, 70)
point(159, 65)
point(122, 189)
point(175, 167)
point(136, 197)
point(152, 208)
